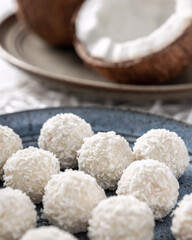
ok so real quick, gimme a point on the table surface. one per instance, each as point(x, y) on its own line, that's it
point(19, 91)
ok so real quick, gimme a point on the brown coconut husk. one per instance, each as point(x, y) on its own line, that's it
point(49, 19)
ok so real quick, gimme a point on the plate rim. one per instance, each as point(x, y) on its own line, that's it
point(106, 108)
point(86, 83)
point(157, 233)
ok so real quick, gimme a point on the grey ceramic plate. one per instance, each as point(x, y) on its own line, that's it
point(129, 124)
point(26, 51)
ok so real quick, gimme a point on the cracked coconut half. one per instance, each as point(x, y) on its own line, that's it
point(136, 42)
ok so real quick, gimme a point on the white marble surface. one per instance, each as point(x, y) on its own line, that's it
point(19, 91)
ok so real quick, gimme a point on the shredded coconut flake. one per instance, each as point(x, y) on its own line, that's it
point(10, 143)
point(164, 146)
point(69, 199)
point(47, 233)
point(122, 218)
point(30, 170)
point(63, 135)
point(152, 182)
point(105, 156)
point(182, 220)
point(17, 214)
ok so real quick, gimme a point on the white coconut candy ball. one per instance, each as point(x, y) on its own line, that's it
point(69, 199)
point(152, 182)
point(105, 156)
point(164, 146)
point(17, 214)
point(122, 218)
point(30, 170)
point(47, 233)
point(63, 135)
point(10, 143)
point(182, 220)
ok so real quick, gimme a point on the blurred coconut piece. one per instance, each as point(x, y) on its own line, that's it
point(136, 42)
point(49, 19)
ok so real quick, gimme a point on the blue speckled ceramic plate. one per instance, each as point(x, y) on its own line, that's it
point(129, 124)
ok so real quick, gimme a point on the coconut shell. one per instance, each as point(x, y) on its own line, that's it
point(154, 69)
point(49, 19)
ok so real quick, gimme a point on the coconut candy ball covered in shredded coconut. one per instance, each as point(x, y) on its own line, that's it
point(63, 135)
point(47, 233)
point(30, 170)
point(182, 220)
point(121, 218)
point(105, 156)
point(17, 214)
point(152, 182)
point(10, 143)
point(164, 146)
point(69, 199)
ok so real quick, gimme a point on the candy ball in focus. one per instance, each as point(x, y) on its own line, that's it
point(47, 233)
point(10, 143)
point(30, 170)
point(69, 199)
point(182, 219)
point(17, 214)
point(105, 156)
point(122, 218)
point(63, 135)
point(152, 182)
point(164, 146)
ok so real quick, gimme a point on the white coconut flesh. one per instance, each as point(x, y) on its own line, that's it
point(125, 30)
